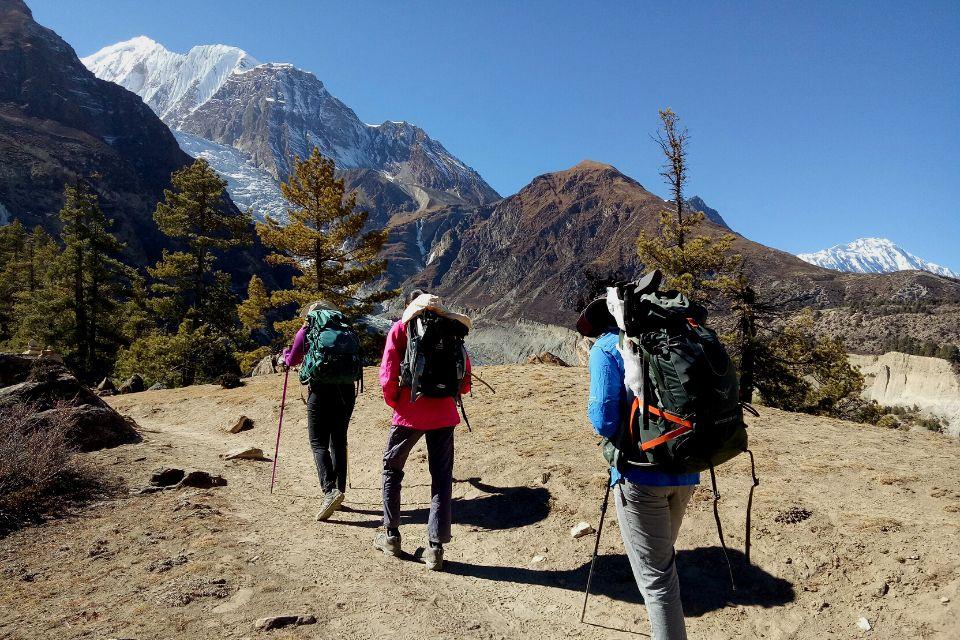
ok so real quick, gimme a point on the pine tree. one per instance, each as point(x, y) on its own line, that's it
point(253, 311)
point(325, 242)
point(13, 243)
point(187, 282)
point(692, 261)
point(254, 316)
point(27, 262)
point(69, 302)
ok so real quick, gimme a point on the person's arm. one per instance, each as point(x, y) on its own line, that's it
point(606, 389)
point(465, 384)
point(294, 355)
point(390, 364)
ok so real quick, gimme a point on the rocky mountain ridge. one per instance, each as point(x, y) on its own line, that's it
point(272, 112)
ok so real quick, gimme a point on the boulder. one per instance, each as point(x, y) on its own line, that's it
point(201, 480)
point(167, 477)
point(547, 358)
point(244, 453)
point(14, 368)
point(157, 386)
point(106, 385)
point(53, 390)
point(243, 424)
point(133, 384)
point(266, 366)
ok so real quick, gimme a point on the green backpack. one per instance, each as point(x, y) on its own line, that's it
point(333, 350)
point(693, 418)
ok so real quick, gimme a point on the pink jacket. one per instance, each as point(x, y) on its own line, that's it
point(426, 413)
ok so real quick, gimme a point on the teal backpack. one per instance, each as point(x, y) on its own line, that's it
point(333, 350)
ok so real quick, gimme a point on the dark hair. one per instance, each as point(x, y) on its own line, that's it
point(413, 295)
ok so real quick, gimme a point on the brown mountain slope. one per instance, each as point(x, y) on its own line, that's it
point(530, 254)
point(58, 121)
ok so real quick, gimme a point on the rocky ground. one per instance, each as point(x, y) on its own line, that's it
point(850, 522)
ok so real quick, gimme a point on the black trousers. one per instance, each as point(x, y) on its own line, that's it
point(329, 407)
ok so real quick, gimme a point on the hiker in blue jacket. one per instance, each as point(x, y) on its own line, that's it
point(650, 504)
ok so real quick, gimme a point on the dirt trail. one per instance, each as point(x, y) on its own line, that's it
point(882, 539)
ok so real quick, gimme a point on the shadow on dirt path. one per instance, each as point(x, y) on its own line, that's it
point(501, 508)
point(704, 581)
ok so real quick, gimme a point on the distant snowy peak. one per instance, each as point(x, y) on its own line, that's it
point(172, 84)
point(872, 255)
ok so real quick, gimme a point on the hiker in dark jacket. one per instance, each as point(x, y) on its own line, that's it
point(650, 504)
point(329, 407)
point(432, 418)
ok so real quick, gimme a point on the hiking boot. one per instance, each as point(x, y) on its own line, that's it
point(331, 502)
point(388, 544)
point(433, 557)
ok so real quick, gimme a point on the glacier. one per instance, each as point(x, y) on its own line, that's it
point(249, 186)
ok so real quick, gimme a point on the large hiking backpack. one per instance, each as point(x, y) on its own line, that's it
point(333, 350)
point(436, 359)
point(692, 419)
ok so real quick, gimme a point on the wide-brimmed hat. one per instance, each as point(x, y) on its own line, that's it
point(595, 319)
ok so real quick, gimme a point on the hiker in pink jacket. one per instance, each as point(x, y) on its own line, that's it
point(429, 417)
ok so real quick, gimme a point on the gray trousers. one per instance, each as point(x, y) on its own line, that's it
point(440, 461)
point(650, 519)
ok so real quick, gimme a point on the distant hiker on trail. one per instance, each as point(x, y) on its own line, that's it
point(424, 371)
point(330, 352)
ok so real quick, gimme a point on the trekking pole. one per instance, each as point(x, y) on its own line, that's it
point(482, 381)
point(464, 412)
point(276, 449)
point(596, 548)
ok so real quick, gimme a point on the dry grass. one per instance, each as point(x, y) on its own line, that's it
point(40, 472)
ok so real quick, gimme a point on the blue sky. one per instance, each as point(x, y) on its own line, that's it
point(813, 123)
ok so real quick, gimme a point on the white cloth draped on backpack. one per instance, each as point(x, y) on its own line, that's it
point(430, 302)
point(628, 348)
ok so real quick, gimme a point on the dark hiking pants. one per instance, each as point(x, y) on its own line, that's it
point(440, 460)
point(329, 407)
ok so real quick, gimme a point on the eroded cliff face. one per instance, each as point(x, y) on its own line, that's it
point(901, 379)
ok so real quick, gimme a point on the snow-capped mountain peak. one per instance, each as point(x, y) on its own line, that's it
point(872, 255)
point(172, 84)
point(218, 98)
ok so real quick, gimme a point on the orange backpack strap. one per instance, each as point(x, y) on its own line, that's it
point(685, 426)
point(633, 414)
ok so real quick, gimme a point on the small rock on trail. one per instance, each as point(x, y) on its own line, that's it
point(864, 625)
point(277, 622)
point(243, 424)
point(244, 453)
point(582, 529)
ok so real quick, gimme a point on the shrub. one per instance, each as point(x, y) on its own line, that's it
point(888, 422)
point(193, 355)
point(229, 381)
point(40, 473)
